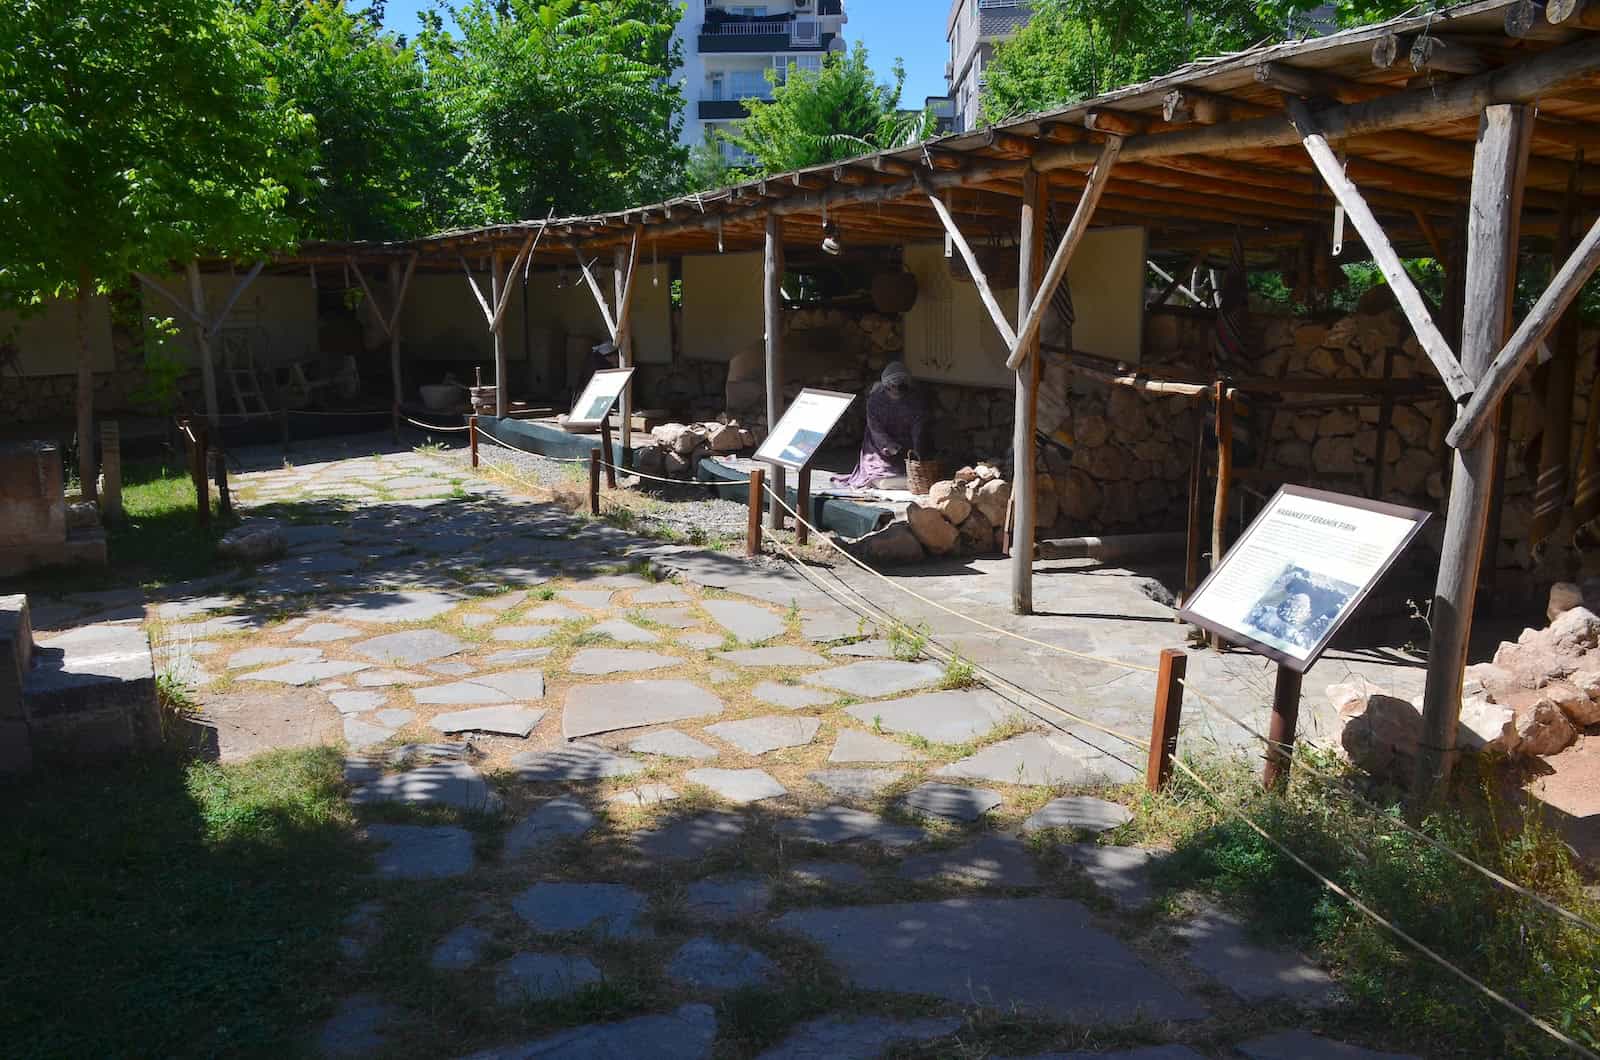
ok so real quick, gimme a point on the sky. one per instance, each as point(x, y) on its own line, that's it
point(912, 30)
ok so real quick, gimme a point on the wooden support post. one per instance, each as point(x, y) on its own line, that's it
point(1164, 726)
point(1197, 482)
point(396, 292)
point(610, 453)
point(1219, 510)
point(802, 503)
point(1380, 451)
point(224, 497)
point(202, 340)
point(1280, 737)
point(197, 470)
point(1023, 487)
point(1499, 164)
point(772, 323)
point(111, 469)
point(626, 264)
point(472, 438)
point(497, 326)
point(752, 539)
point(1489, 571)
point(594, 482)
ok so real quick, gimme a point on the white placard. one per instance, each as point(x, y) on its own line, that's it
point(803, 428)
point(597, 399)
point(1300, 570)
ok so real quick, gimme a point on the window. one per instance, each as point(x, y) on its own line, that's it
point(805, 31)
point(810, 63)
point(717, 87)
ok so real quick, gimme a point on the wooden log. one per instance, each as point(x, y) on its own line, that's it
point(1383, 252)
point(599, 296)
point(1534, 329)
point(202, 485)
point(752, 534)
point(1573, 14)
point(1492, 234)
point(1164, 723)
point(974, 270)
point(1030, 249)
point(1219, 510)
point(1109, 547)
point(802, 504)
point(1028, 329)
point(111, 469)
point(1525, 21)
point(772, 323)
point(472, 439)
point(1315, 84)
point(224, 496)
point(1446, 55)
point(215, 324)
point(1197, 476)
point(502, 373)
point(393, 330)
point(609, 452)
point(1116, 122)
point(624, 267)
point(477, 293)
point(594, 482)
point(503, 298)
point(1281, 733)
point(1555, 472)
point(202, 340)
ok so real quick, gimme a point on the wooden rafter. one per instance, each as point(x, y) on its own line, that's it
point(979, 280)
point(599, 295)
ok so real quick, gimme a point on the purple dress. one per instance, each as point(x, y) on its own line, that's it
point(895, 424)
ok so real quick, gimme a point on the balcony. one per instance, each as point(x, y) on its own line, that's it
point(781, 34)
point(721, 109)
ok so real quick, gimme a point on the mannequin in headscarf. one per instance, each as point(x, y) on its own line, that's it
point(897, 423)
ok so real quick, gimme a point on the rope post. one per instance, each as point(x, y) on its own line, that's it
point(594, 482)
point(752, 546)
point(1280, 738)
point(197, 471)
point(1164, 726)
point(111, 469)
point(472, 438)
point(802, 503)
point(610, 452)
point(224, 498)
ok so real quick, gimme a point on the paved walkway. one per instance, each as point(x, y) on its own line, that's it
point(630, 799)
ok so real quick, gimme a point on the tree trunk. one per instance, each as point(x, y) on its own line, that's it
point(88, 469)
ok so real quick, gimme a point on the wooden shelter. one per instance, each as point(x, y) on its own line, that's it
point(1451, 134)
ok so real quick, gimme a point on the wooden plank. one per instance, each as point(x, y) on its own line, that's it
point(1383, 252)
point(1028, 329)
point(752, 533)
point(502, 384)
point(1534, 329)
point(1168, 713)
point(1030, 249)
point(772, 323)
point(979, 280)
point(1492, 232)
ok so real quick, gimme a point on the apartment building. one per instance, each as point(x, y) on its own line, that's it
point(728, 48)
point(973, 29)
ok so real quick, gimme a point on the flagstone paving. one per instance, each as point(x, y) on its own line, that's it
point(583, 835)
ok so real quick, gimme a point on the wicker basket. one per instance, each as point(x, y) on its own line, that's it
point(920, 474)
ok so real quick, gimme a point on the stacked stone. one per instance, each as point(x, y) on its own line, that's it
point(678, 447)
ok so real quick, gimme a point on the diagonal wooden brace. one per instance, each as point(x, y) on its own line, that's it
point(979, 280)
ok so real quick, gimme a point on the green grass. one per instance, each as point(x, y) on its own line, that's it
point(173, 907)
point(1544, 965)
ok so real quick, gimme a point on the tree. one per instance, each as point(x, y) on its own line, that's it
point(386, 151)
point(707, 169)
point(564, 105)
point(1074, 49)
point(134, 133)
point(820, 116)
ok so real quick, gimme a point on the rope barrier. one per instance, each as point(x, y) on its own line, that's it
point(1233, 811)
point(432, 427)
point(486, 436)
point(718, 484)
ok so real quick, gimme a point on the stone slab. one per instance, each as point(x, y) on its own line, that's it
point(357, 702)
point(686, 1034)
point(1219, 946)
point(1303, 1045)
point(579, 760)
point(1122, 873)
point(853, 745)
point(261, 656)
point(453, 784)
point(410, 646)
point(624, 632)
point(522, 634)
point(699, 641)
point(553, 613)
point(843, 824)
point(951, 801)
point(1031, 758)
point(691, 837)
point(864, 649)
point(323, 632)
point(542, 977)
point(1078, 813)
point(594, 598)
point(642, 795)
point(856, 1037)
point(602, 662)
point(855, 783)
point(517, 656)
point(421, 852)
point(724, 898)
point(738, 786)
point(790, 697)
point(478, 619)
point(823, 626)
point(381, 608)
point(606, 910)
point(390, 678)
point(877, 677)
point(665, 593)
point(504, 721)
point(776, 655)
point(452, 668)
point(940, 717)
point(440, 751)
point(671, 743)
point(758, 736)
point(556, 819)
point(493, 688)
point(709, 964)
point(671, 617)
point(306, 673)
point(504, 602)
point(395, 718)
point(830, 874)
point(360, 735)
point(1001, 953)
point(592, 709)
point(460, 949)
point(357, 1026)
point(750, 623)
point(989, 861)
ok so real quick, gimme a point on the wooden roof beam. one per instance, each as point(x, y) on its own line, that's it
point(1316, 84)
point(1573, 14)
point(1428, 52)
point(1525, 20)
point(1116, 122)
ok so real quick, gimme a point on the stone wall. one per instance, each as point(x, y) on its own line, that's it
point(53, 398)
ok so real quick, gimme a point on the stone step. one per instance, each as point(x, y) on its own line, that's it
point(91, 693)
